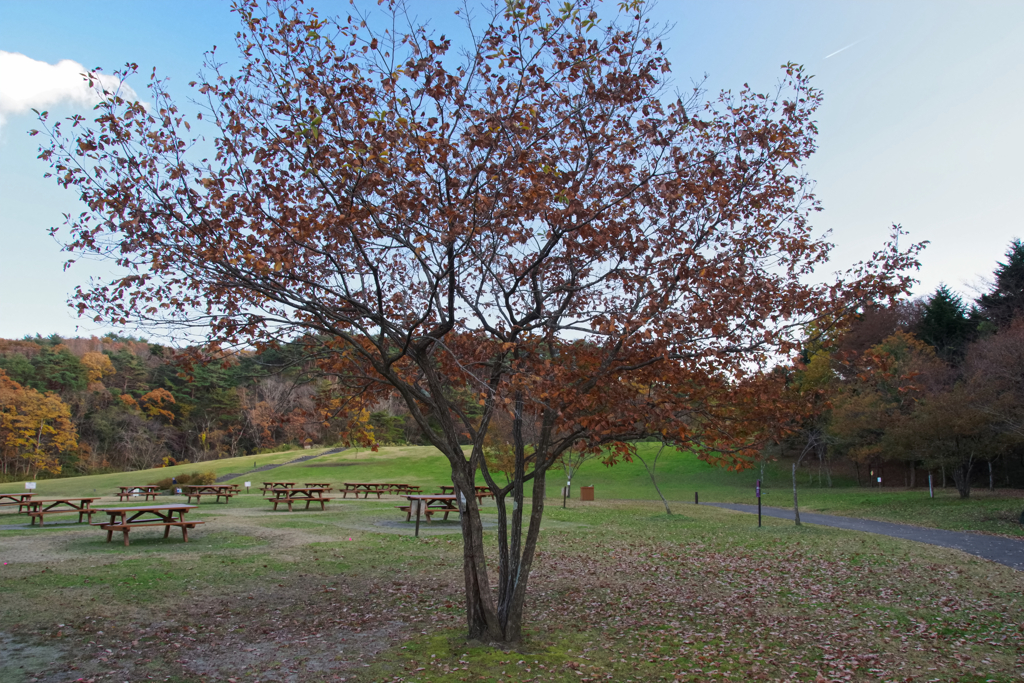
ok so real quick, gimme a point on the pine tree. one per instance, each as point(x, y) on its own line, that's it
point(1006, 300)
point(946, 324)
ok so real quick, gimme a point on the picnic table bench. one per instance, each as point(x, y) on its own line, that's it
point(12, 499)
point(197, 491)
point(134, 491)
point(365, 488)
point(481, 491)
point(38, 509)
point(431, 504)
point(300, 495)
point(326, 487)
point(380, 488)
point(271, 485)
point(127, 518)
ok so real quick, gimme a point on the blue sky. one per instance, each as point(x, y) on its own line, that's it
point(921, 123)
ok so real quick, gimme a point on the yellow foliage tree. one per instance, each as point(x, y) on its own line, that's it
point(35, 428)
point(97, 365)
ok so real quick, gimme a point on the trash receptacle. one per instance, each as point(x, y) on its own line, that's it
point(586, 493)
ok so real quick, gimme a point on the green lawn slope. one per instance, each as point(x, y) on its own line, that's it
point(679, 476)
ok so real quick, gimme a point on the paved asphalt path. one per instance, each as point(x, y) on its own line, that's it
point(999, 549)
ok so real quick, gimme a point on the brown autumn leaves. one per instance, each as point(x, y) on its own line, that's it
point(533, 224)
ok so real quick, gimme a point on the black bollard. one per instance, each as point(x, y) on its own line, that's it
point(759, 503)
point(696, 500)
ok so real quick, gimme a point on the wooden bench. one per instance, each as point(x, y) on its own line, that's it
point(146, 494)
point(307, 501)
point(39, 515)
point(125, 528)
point(427, 512)
point(199, 496)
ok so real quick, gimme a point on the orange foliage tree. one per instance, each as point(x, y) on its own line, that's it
point(535, 227)
point(35, 429)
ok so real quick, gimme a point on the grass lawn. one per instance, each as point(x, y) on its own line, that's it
point(680, 475)
point(620, 591)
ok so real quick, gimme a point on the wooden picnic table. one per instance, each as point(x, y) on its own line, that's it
point(326, 487)
point(435, 503)
point(300, 495)
point(125, 519)
point(481, 491)
point(37, 509)
point(18, 499)
point(366, 488)
point(132, 491)
point(271, 485)
point(197, 491)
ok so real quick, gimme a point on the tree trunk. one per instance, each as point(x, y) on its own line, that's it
point(489, 617)
point(962, 479)
point(650, 473)
point(481, 617)
point(991, 477)
point(943, 475)
point(796, 507)
point(913, 473)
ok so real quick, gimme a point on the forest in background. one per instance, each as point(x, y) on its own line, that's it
point(932, 385)
point(112, 403)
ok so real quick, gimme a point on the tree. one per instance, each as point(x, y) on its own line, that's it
point(950, 428)
point(536, 227)
point(885, 384)
point(97, 366)
point(35, 429)
point(1005, 300)
point(946, 324)
point(815, 384)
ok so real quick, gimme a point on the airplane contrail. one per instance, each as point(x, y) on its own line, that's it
point(843, 48)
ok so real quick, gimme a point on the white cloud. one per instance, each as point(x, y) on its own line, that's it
point(27, 83)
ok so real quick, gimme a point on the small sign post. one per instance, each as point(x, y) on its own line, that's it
point(758, 490)
point(879, 484)
point(566, 490)
point(30, 485)
point(247, 485)
point(931, 490)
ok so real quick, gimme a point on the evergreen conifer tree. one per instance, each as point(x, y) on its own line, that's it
point(946, 324)
point(1006, 299)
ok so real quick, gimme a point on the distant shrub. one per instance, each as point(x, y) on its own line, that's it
point(203, 478)
point(194, 478)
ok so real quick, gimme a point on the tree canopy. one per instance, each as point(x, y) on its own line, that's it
point(1005, 299)
point(534, 225)
point(946, 324)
